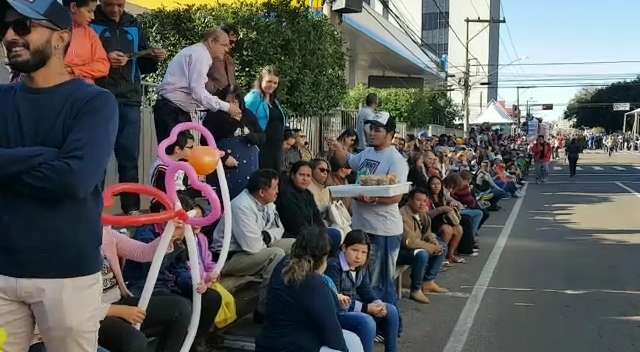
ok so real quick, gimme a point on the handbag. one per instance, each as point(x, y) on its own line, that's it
point(452, 218)
point(339, 217)
point(227, 313)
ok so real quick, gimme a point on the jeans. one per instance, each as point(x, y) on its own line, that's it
point(385, 250)
point(476, 216)
point(542, 170)
point(424, 266)
point(498, 193)
point(509, 187)
point(351, 340)
point(127, 150)
point(361, 324)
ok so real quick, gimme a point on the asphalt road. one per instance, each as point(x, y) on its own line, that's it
point(559, 270)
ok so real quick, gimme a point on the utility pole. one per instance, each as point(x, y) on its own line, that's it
point(518, 104)
point(467, 71)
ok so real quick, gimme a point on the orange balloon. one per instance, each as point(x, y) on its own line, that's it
point(204, 160)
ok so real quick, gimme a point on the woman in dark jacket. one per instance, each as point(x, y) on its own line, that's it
point(573, 153)
point(301, 313)
point(241, 141)
point(295, 203)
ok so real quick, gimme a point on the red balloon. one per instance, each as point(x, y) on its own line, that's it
point(204, 160)
point(139, 220)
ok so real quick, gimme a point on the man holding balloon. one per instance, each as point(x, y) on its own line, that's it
point(56, 137)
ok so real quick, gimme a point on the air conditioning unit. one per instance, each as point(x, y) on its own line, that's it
point(347, 6)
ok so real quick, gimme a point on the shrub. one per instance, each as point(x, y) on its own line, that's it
point(305, 46)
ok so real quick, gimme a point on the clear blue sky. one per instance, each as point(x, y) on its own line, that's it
point(566, 30)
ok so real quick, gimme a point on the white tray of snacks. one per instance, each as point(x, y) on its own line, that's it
point(372, 186)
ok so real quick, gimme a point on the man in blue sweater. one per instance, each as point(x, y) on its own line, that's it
point(56, 137)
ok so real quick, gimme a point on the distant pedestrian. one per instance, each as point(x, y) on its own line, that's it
point(573, 153)
point(365, 114)
point(542, 156)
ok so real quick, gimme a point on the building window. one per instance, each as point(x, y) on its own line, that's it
point(435, 20)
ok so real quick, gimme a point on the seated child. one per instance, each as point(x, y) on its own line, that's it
point(350, 275)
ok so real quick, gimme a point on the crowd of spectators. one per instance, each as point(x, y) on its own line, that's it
point(327, 265)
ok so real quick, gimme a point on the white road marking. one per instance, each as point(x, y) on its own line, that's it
point(578, 168)
point(524, 304)
point(460, 332)
point(628, 189)
point(557, 168)
point(493, 226)
point(598, 168)
point(566, 292)
point(637, 167)
point(619, 168)
point(619, 175)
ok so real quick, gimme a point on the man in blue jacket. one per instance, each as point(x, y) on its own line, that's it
point(56, 137)
point(130, 57)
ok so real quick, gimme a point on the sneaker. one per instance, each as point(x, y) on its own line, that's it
point(476, 250)
point(419, 297)
point(134, 213)
point(474, 254)
point(379, 339)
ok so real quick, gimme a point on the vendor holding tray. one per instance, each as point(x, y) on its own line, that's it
point(379, 217)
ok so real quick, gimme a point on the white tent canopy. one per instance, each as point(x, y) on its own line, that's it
point(494, 114)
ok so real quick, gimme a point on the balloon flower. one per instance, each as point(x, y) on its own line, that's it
point(203, 161)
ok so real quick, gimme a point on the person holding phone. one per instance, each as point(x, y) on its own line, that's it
point(123, 36)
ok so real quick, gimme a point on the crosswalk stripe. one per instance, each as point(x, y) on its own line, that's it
point(578, 168)
point(637, 167)
point(619, 168)
point(598, 168)
point(557, 168)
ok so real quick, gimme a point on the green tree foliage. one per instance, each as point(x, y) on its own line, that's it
point(416, 107)
point(303, 45)
point(584, 109)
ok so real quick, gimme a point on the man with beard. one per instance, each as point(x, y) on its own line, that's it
point(56, 138)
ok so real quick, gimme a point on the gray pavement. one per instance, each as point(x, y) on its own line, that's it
point(567, 278)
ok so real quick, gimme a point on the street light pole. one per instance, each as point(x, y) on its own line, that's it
point(467, 88)
point(518, 105)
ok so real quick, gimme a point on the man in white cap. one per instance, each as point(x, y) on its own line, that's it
point(380, 217)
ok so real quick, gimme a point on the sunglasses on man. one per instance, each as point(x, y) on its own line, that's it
point(22, 26)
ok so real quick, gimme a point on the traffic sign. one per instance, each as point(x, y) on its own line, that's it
point(621, 107)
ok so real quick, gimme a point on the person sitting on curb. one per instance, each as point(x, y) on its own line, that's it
point(256, 243)
point(421, 249)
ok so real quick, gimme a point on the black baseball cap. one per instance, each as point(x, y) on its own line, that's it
point(42, 10)
point(383, 119)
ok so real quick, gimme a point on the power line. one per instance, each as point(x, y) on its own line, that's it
point(570, 63)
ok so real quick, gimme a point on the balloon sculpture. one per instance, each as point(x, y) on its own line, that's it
point(203, 161)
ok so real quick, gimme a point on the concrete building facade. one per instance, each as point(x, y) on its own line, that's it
point(444, 32)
